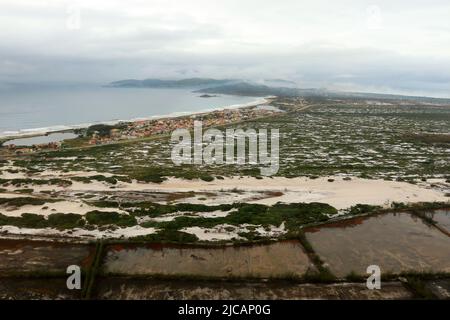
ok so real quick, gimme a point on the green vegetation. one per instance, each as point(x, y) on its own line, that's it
point(57, 220)
point(145, 208)
point(207, 178)
point(63, 221)
point(362, 209)
point(22, 201)
point(294, 215)
point(101, 218)
point(101, 178)
point(24, 191)
point(103, 130)
point(147, 175)
point(27, 181)
point(167, 236)
point(27, 220)
point(418, 286)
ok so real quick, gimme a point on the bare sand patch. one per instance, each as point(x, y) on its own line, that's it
point(78, 233)
point(46, 209)
point(341, 193)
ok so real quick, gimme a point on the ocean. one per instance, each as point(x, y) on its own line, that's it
point(34, 110)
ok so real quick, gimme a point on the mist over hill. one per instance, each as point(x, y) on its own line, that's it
point(270, 87)
point(159, 83)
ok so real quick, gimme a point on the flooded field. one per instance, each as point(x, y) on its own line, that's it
point(144, 289)
point(36, 289)
point(41, 257)
point(273, 260)
point(442, 217)
point(395, 242)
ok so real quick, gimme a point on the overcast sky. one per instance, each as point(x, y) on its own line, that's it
point(380, 46)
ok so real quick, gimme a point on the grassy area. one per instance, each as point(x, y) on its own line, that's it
point(39, 182)
point(101, 178)
point(293, 215)
point(22, 201)
point(102, 218)
point(56, 220)
point(166, 236)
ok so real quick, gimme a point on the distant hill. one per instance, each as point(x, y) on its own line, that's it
point(158, 83)
point(244, 89)
point(277, 87)
point(257, 90)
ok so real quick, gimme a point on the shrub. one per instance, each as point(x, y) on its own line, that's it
point(362, 208)
point(167, 236)
point(101, 218)
point(22, 201)
point(65, 220)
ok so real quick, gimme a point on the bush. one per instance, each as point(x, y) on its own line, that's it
point(103, 130)
point(27, 220)
point(65, 220)
point(22, 201)
point(148, 177)
point(101, 218)
point(295, 215)
point(168, 236)
point(362, 208)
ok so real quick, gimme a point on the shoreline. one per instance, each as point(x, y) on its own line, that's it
point(37, 132)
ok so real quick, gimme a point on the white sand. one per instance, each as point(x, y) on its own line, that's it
point(80, 233)
point(214, 234)
point(77, 207)
point(220, 232)
point(341, 194)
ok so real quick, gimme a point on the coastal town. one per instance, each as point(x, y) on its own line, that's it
point(101, 134)
point(149, 128)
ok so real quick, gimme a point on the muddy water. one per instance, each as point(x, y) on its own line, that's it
point(116, 288)
point(35, 256)
point(36, 289)
point(395, 242)
point(272, 260)
point(442, 217)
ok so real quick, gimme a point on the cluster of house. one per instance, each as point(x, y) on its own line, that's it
point(147, 128)
point(36, 147)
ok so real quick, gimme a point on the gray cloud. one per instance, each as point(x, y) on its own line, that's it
point(399, 47)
